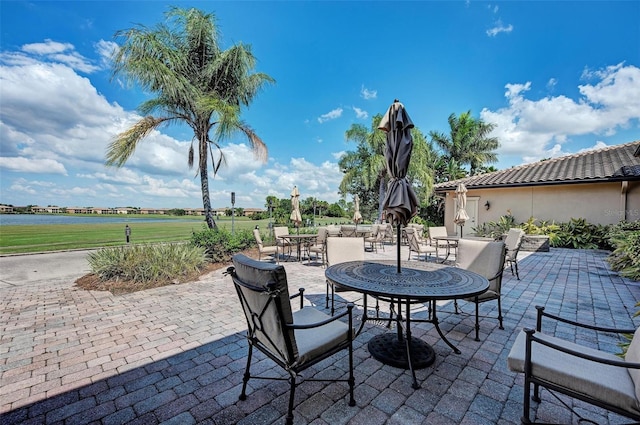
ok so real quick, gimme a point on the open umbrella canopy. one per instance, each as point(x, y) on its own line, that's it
point(400, 202)
point(357, 217)
point(461, 214)
point(295, 207)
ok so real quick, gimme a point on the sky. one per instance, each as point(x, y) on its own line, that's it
point(555, 77)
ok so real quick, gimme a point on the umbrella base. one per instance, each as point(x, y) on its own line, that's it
point(387, 349)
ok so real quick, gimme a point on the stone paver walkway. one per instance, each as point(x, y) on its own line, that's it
point(175, 355)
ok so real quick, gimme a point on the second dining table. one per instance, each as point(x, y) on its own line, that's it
point(301, 239)
point(417, 282)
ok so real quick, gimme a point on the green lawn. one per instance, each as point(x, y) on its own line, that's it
point(42, 238)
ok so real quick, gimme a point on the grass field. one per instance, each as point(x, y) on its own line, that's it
point(58, 237)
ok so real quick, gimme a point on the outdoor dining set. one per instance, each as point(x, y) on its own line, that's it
point(462, 269)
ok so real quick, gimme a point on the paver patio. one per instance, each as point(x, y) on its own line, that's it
point(176, 354)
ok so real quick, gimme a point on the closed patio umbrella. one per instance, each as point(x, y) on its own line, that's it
point(357, 217)
point(461, 214)
point(295, 208)
point(400, 202)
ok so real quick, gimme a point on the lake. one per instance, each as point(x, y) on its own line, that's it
point(37, 219)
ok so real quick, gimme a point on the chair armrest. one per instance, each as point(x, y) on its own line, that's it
point(349, 313)
point(542, 313)
point(531, 337)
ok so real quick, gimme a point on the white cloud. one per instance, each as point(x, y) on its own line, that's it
point(38, 166)
point(62, 53)
point(498, 28)
point(368, 94)
point(361, 114)
point(331, 115)
point(536, 129)
point(105, 50)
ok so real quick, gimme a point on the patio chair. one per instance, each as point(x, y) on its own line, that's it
point(348, 231)
point(388, 233)
point(341, 250)
point(594, 376)
point(416, 246)
point(513, 242)
point(320, 247)
point(375, 238)
point(486, 259)
point(293, 340)
point(283, 244)
point(440, 231)
point(266, 250)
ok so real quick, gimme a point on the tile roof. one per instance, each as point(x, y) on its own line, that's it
point(613, 163)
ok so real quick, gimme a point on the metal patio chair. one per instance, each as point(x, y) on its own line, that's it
point(294, 340)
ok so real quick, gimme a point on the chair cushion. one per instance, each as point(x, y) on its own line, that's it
point(484, 258)
point(633, 356)
point(314, 342)
point(611, 384)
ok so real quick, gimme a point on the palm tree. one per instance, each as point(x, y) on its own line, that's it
point(468, 142)
point(365, 167)
point(195, 83)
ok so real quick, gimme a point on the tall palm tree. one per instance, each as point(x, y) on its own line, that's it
point(468, 142)
point(195, 83)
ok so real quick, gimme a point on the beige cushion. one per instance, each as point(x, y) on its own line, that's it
point(513, 241)
point(603, 382)
point(314, 342)
point(633, 356)
point(341, 250)
point(484, 258)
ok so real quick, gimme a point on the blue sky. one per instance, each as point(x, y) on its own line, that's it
point(555, 77)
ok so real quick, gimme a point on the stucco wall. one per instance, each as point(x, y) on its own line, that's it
point(600, 203)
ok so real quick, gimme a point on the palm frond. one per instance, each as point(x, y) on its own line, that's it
point(124, 144)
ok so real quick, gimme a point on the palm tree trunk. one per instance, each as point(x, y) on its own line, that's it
point(204, 183)
point(382, 191)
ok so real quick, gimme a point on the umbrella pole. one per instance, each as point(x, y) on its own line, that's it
point(398, 239)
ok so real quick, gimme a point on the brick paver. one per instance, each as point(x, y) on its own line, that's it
point(176, 354)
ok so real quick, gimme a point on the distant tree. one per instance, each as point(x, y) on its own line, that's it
point(196, 83)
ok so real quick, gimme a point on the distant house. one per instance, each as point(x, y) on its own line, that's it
point(6, 209)
point(100, 210)
point(601, 186)
point(77, 210)
point(251, 211)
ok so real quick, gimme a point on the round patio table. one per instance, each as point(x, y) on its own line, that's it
point(417, 282)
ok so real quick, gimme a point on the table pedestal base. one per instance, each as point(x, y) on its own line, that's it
point(387, 349)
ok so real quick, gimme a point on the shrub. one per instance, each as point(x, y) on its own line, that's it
point(625, 258)
point(142, 264)
point(577, 234)
point(220, 244)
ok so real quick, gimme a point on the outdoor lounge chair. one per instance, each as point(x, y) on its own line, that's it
point(588, 374)
point(293, 340)
point(266, 250)
point(513, 242)
point(341, 250)
point(486, 259)
point(416, 246)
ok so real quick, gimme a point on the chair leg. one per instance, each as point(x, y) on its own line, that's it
point(477, 319)
point(247, 375)
point(455, 306)
point(292, 380)
point(500, 313)
point(327, 297)
point(517, 274)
